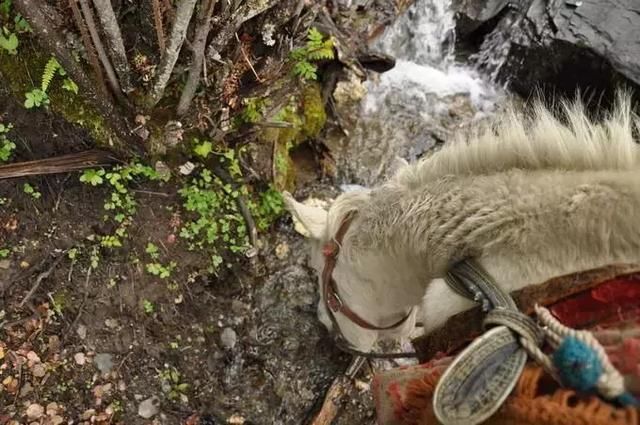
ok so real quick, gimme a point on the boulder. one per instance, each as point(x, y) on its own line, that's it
point(563, 45)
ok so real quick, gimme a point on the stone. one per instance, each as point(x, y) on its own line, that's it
point(34, 411)
point(559, 44)
point(228, 338)
point(104, 362)
point(149, 407)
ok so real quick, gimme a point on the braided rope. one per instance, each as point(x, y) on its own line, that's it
point(610, 383)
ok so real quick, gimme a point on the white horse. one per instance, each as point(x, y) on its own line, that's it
point(530, 197)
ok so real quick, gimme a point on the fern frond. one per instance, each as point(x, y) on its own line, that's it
point(49, 72)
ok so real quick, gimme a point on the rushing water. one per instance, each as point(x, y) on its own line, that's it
point(408, 109)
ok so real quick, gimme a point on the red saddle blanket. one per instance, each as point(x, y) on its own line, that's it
point(610, 309)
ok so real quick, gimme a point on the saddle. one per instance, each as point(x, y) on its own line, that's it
point(605, 301)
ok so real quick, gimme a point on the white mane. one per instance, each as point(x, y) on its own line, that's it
point(534, 141)
point(531, 196)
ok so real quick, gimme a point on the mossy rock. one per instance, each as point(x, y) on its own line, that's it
point(306, 115)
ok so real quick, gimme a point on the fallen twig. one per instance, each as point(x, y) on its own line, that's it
point(170, 57)
point(57, 164)
point(339, 387)
point(114, 42)
point(82, 304)
point(42, 276)
point(198, 47)
point(246, 58)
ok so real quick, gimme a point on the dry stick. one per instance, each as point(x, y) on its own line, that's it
point(157, 23)
point(86, 40)
point(339, 387)
point(198, 46)
point(42, 276)
point(115, 44)
point(246, 58)
point(170, 57)
point(58, 164)
point(102, 54)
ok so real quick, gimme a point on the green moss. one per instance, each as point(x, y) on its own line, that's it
point(306, 116)
point(23, 72)
point(315, 116)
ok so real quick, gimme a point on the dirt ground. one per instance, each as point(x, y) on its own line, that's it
point(112, 343)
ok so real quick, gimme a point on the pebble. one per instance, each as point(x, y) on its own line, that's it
point(82, 331)
point(35, 411)
point(104, 362)
point(282, 251)
point(80, 358)
point(229, 338)
point(148, 408)
point(5, 264)
point(39, 370)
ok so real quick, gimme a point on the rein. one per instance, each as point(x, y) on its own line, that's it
point(334, 303)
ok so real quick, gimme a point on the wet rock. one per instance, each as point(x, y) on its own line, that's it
point(559, 44)
point(149, 407)
point(229, 338)
point(104, 362)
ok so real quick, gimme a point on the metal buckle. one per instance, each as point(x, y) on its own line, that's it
point(334, 302)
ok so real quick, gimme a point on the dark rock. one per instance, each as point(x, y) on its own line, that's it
point(559, 45)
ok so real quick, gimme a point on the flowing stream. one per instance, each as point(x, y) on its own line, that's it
point(417, 104)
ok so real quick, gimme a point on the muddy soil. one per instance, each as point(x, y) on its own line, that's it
point(114, 344)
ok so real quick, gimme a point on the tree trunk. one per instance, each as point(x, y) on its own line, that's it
point(198, 46)
point(114, 42)
point(170, 57)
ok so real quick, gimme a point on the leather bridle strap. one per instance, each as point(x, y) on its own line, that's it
point(332, 299)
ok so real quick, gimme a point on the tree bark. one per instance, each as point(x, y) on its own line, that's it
point(114, 42)
point(97, 42)
point(170, 57)
point(198, 46)
point(39, 16)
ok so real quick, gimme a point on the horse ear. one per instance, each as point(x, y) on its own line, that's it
point(309, 221)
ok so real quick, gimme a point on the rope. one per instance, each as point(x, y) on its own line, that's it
point(579, 360)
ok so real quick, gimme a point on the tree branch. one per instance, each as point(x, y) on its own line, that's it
point(102, 54)
point(86, 40)
point(157, 22)
point(114, 42)
point(170, 57)
point(198, 46)
point(39, 16)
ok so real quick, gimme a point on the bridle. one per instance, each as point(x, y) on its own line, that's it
point(334, 303)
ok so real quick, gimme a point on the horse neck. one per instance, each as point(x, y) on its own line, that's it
point(550, 221)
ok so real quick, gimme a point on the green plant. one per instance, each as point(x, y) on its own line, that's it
point(148, 306)
point(172, 384)
point(161, 271)
point(30, 190)
point(268, 208)
point(38, 96)
point(4, 252)
point(9, 41)
point(254, 108)
point(317, 48)
point(6, 145)
point(120, 203)
point(152, 250)
point(202, 149)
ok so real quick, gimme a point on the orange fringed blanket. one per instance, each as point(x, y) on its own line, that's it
point(611, 310)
